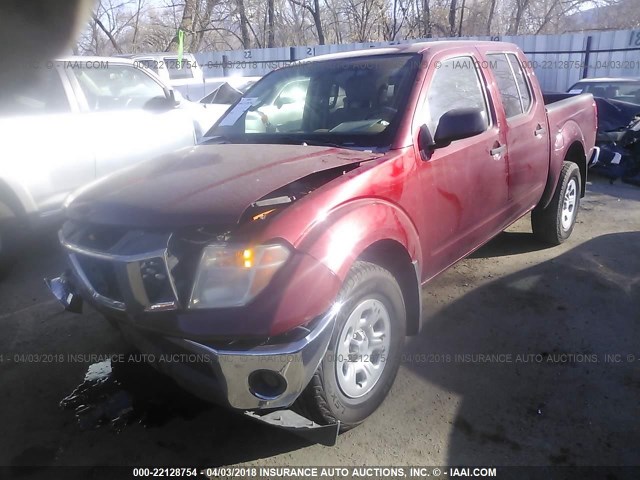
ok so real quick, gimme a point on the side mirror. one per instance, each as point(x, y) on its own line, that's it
point(161, 104)
point(176, 96)
point(458, 124)
point(425, 142)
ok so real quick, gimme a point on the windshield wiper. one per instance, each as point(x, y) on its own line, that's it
point(216, 139)
point(313, 142)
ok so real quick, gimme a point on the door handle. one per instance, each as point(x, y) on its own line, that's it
point(539, 130)
point(498, 150)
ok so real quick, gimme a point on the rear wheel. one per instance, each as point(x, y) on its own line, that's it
point(555, 223)
point(364, 353)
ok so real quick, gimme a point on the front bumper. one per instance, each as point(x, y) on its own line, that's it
point(245, 372)
point(228, 376)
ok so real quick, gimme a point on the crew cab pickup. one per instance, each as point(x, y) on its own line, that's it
point(283, 259)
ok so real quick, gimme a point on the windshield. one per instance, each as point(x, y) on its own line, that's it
point(355, 102)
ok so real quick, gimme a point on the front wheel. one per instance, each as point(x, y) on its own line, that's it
point(555, 223)
point(364, 353)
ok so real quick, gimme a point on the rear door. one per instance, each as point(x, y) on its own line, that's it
point(523, 111)
point(124, 127)
point(465, 183)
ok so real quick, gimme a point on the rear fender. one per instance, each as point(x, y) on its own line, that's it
point(568, 142)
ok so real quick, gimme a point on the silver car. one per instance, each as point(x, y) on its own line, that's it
point(81, 119)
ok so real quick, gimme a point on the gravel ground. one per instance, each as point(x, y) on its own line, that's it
point(528, 356)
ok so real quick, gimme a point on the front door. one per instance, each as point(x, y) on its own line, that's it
point(465, 183)
point(126, 126)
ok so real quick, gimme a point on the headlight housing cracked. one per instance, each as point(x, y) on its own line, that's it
point(232, 276)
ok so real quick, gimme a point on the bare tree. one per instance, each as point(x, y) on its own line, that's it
point(107, 33)
point(244, 24)
point(186, 24)
point(492, 9)
point(315, 14)
point(120, 26)
point(271, 30)
point(452, 18)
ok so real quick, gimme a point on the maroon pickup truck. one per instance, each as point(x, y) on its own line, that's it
point(283, 259)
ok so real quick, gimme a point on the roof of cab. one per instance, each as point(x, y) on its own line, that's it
point(419, 47)
point(83, 59)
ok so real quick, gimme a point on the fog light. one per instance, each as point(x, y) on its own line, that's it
point(267, 384)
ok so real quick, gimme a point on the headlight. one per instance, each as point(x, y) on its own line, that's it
point(231, 277)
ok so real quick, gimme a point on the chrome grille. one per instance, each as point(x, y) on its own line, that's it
point(123, 277)
point(102, 276)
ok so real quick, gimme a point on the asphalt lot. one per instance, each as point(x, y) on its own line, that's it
point(562, 386)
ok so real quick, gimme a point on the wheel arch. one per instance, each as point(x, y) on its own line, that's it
point(574, 154)
point(393, 256)
point(377, 231)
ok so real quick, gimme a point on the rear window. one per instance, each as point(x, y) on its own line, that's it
point(523, 85)
point(179, 70)
point(507, 84)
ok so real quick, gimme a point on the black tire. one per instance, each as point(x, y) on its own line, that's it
point(547, 223)
point(323, 400)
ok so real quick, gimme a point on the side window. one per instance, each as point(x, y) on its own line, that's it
point(117, 87)
point(44, 95)
point(521, 80)
point(506, 84)
point(455, 84)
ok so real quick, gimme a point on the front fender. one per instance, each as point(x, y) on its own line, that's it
point(340, 238)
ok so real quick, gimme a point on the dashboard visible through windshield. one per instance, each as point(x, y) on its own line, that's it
point(349, 102)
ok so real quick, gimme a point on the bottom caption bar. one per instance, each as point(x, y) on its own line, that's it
point(323, 472)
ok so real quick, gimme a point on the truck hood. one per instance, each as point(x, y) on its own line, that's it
point(201, 185)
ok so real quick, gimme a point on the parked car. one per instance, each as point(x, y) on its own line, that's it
point(288, 262)
point(623, 89)
point(184, 76)
point(617, 139)
point(85, 118)
point(209, 109)
point(227, 90)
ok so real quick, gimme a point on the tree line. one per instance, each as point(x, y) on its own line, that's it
point(133, 26)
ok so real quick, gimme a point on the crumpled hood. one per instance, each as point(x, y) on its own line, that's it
point(201, 185)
